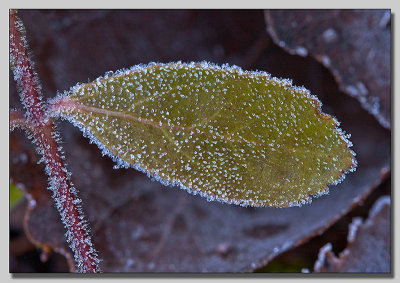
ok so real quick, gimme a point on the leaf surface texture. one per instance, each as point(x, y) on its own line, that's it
point(236, 136)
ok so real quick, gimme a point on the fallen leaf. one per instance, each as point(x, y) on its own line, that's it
point(369, 247)
point(353, 44)
point(45, 228)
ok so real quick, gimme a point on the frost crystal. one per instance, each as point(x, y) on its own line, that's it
point(230, 135)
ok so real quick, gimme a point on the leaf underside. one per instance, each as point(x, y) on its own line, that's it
point(227, 134)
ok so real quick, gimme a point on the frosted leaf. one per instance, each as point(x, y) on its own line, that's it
point(368, 244)
point(361, 42)
point(230, 135)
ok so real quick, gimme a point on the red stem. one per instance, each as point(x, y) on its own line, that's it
point(46, 139)
point(17, 119)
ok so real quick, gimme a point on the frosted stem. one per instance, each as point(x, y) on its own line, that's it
point(45, 137)
point(17, 120)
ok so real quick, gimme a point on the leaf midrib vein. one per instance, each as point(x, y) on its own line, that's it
point(145, 121)
point(74, 104)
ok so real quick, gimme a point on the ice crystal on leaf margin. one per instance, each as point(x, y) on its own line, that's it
point(235, 136)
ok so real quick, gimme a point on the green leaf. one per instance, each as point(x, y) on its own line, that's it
point(16, 195)
point(231, 135)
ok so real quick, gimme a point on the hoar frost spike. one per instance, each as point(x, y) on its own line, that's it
point(236, 136)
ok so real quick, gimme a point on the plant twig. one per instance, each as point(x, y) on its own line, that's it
point(17, 120)
point(46, 139)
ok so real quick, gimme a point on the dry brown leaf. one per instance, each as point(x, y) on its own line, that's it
point(369, 245)
point(353, 44)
